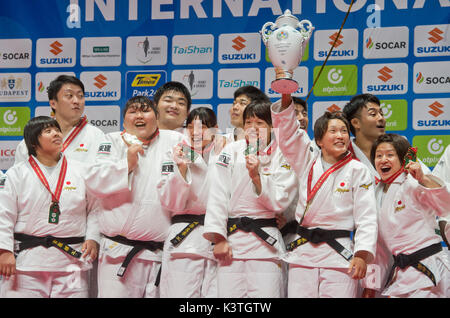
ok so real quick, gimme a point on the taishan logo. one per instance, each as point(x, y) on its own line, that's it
point(385, 74)
point(333, 38)
point(238, 43)
point(436, 109)
point(100, 81)
point(56, 48)
point(435, 35)
point(142, 80)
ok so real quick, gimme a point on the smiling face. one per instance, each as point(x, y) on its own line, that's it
point(173, 110)
point(302, 116)
point(69, 103)
point(386, 160)
point(335, 141)
point(140, 120)
point(199, 133)
point(257, 129)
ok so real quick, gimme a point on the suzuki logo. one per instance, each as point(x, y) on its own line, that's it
point(435, 35)
point(238, 43)
point(333, 38)
point(436, 109)
point(100, 81)
point(56, 48)
point(334, 108)
point(385, 74)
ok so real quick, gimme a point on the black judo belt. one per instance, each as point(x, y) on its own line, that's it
point(194, 220)
point(253, 225)
point(62, 243)
point(289, 228)
point(137, 247)
point(403, 260)
point(319, 235)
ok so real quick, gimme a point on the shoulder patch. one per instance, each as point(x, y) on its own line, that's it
point(366, 186)
point(167, 167)
point(2, 182)
point(104, 148)
point(224, 160)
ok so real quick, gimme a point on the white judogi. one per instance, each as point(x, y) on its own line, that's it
point(256, 269)
point(24, 208)
point(136, 215)
point(344, 202)
point(82, 148)
point(407, 224)
point(188, 268)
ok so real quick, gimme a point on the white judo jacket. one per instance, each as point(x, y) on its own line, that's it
point(345, 201)
point(25, 203)
point(180, 196)
point(82, 148)
point(407, 221)
point(137, 214)
point(232, 194)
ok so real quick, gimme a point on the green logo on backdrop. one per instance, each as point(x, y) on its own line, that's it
point(13, 120)
point(396, 114)
point(431, 148)
point(336, 80)
point(304, 57)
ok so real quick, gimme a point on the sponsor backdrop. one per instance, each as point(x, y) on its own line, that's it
point(396, 49)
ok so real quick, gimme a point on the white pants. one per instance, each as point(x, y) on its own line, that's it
point(311, 282)
point(138, 281)
point(45, 285)
point(188, 278)
point(262, 278)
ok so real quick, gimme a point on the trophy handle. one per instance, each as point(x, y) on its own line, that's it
point(264, 32)
point(304, 31)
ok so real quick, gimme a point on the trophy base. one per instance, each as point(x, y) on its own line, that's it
point(284, 86)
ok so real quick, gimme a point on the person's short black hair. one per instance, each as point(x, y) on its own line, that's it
point(173, 86)
point(55, 85)
point(321, 124)
point(300, 101)
point(400, 144)
point(251, 92)
point(353, 107)
point(259, 109)
point(205, 114)
point(144, 104)
point(34, 128)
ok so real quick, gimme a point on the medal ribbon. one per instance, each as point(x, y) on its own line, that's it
point(41, 176)
point(325, 175)
point(391, 178)
point(83, 122)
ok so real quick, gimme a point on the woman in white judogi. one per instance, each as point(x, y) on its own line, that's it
point(189, 267)
point(134, 224)
point(408, 201)
point(250, 185)
point(44, 219)
point(335, 197)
